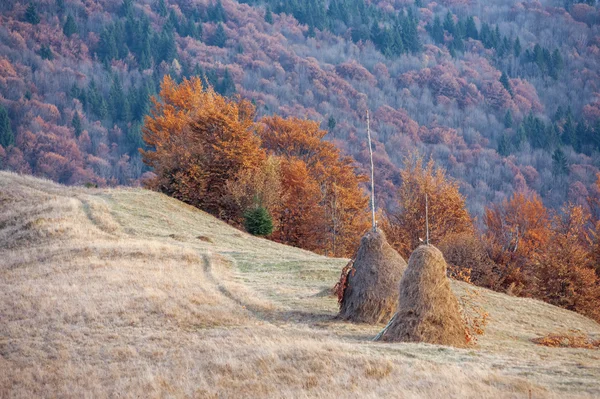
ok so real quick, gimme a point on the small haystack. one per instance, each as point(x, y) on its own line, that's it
point(428, 310)
point(370, 291)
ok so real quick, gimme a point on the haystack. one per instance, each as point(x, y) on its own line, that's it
point(428, 310)
point(371, 290)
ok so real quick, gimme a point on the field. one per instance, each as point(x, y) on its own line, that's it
point(126, 292)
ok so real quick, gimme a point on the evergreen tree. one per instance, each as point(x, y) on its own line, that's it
point(161, 8)
point(76, 123)
point(70, 26)
point(107, 47)
point(45, 52)
point(268, 16)
point(227, 85)
point(449, 24)
point(517, 48)
point(117, 102)
point(219, 38)
point(559, 163)
point(331, 123)
point(569, 134)
point(216, 12)
point(437, 31)
point(31, 15)
point(7, 137)
point(506, 83)
point(126, 8)
point(504, 146)
point(471, 29)
point(258, 221)
point(508, 120)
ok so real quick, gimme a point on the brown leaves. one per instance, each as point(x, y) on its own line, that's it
point(447, 211)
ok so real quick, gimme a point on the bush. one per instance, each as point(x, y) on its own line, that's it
point(258, 221)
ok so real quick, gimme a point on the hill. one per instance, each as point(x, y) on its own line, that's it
point(502, 94)
point(107, 292)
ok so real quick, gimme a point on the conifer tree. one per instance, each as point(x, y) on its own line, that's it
point(6, 135)
point(506, 83)
point(508, 119)
point(559, 163)
point(471, 29)
point(31, 15)
point(161, 8)
point(269, 16)
point(76, 123)
point(70, 26)
point(517, 48)
point(219, 38)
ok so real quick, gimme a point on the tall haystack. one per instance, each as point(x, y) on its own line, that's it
point(371, 290)
point(428, 310)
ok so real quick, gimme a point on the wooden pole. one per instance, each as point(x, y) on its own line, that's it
point(372, 174)
point(427, 216)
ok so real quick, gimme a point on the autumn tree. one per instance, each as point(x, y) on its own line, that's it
point(406, 227)
point(564, 269)
point(517, 229)
point(259, 188)
point(332, 206)
point(199, 141)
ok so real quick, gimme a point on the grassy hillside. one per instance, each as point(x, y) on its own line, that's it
point(128, 292)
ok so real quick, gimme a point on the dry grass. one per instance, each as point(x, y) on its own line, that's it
point(129, 293)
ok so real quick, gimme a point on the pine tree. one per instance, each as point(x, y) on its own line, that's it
point(126, 8)
point(504, 147)
point(107, 48)
point(45, 52)
point(31, 15)
point(508, 120)
point(258, 221)
point(471, 29)
point(219, 38)
point(517, 48)
point(269, 16)
point(70, 26)
point(76, 123)
point(227, 85)
point(331, 123)
point(449, 24)
point(569, 134)
point(559, 163)
point(437, 31)
point(7, 137)
point(506, 83)
point(216, 12)
point(161, 8)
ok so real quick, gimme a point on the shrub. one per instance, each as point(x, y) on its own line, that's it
point(258, 221)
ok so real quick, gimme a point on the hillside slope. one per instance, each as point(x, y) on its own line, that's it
point(129, 292)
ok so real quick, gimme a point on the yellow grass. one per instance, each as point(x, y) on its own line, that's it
point(129, 293)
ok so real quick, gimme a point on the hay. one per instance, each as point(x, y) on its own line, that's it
point(428, 311)
point(371, 291)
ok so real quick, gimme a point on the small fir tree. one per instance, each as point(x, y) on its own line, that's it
point(70, 26)
point(7, 137)
point(31, 15)
point(258, 221)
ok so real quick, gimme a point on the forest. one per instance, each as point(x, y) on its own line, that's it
point(502, 95)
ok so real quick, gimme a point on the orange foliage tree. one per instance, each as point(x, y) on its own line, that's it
point(564, 269)
point(447, 212)
point(516, 231)
point(199, 141)
point(323, 196)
